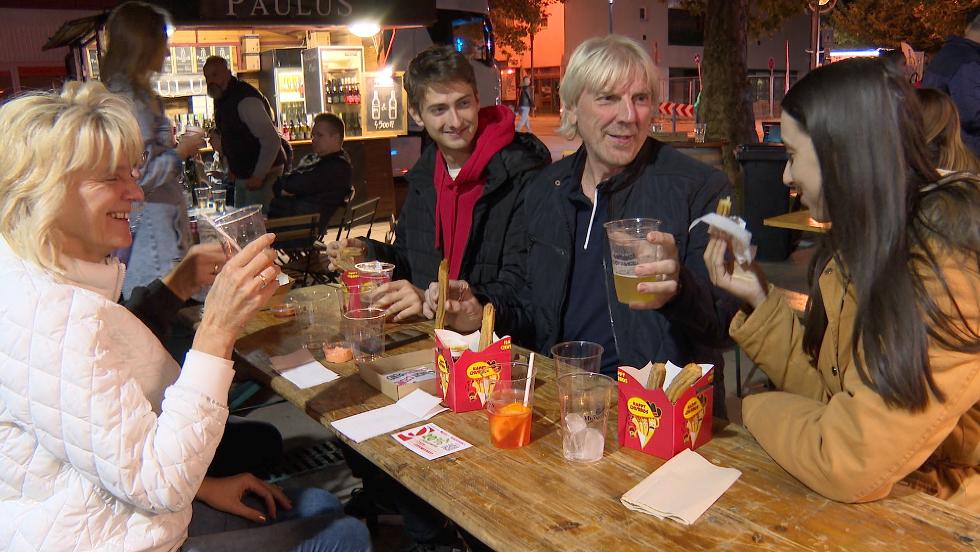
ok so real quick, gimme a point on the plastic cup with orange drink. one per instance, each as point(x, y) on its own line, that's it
point(509, 406)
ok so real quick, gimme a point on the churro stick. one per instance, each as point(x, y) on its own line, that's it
point(657, 376)
point(486, 328)
point(443, 292)
point(725, 206)
point(684, 379)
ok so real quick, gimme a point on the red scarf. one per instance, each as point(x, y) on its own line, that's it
point(455, 199)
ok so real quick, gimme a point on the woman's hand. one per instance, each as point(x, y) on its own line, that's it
point(463, 314)
point(225, 494)
point(244, 285)
point(197, 269)
point(747, 284)
point(399, 298)
point(335, 248)
point(189, 144)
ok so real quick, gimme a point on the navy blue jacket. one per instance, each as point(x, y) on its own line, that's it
point(661, 183)
point(955, 70)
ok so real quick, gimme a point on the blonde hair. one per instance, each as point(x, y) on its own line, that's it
point(942, 131)
point(600, 64)
point(136, 33)
point(50, 141)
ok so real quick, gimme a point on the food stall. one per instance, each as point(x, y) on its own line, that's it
point(267, 44)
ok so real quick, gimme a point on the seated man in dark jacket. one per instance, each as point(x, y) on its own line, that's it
point(321, 182)
point(463, 192)
point(608, 95)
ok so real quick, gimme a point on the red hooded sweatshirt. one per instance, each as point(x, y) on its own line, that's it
point(455, 199)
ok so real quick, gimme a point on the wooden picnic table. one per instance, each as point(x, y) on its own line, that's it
point(797, 220)
point(532, 499)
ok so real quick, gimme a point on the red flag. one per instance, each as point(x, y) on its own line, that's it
point(786, 83)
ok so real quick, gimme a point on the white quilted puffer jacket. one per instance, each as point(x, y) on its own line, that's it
point(104, 441)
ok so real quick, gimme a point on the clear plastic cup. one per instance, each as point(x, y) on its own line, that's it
point(365, 330)
point(376, 271)
point(239, 227)
point(584, 400)
point(218, 197)
point(576, 356)
point(629, 247)
point(509, 406)
point(201, 197)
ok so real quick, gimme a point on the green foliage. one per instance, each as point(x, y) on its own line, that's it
point(514, 21)
point(924, 24)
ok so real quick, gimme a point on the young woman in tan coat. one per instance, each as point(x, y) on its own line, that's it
point(880, 382)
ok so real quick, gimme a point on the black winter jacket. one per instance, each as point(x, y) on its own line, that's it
point(493, 260)
point(661, 183)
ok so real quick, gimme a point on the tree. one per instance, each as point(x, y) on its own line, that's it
point(726, 104)
point(923, 24)
point(517, 20)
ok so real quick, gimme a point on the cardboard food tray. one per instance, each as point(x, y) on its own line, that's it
point(375, 372)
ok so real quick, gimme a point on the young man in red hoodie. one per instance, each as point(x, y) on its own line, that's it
point(462, 192)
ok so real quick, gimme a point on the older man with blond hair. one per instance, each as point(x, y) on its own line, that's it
point(608, 95)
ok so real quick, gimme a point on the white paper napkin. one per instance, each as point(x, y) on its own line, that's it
point(413, 408)
point(302, 369)
point(735, 227)
point(682, 489)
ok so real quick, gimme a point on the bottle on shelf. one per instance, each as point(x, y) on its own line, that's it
point(285, 131)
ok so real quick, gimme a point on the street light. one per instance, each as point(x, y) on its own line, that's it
point(817, 8)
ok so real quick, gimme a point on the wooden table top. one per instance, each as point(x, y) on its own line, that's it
point(797, 220)
point(532, 499)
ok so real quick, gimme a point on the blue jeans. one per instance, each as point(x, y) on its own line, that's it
point(524, 121)
point(315, 524)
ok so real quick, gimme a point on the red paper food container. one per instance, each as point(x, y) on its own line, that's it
point(466, 381)
point(650, 423)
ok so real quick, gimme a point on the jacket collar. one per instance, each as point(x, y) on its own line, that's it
point(104, 278)
point(646, 156)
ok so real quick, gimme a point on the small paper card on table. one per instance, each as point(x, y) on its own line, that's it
point(302, 369)
point(682, 489)
point(430, 441)
point(417, 406)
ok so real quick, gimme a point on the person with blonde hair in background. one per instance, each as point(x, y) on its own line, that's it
point(104, 439)
point(942, 132)
point(137, 37)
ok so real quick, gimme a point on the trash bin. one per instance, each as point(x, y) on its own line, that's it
point(764, 195)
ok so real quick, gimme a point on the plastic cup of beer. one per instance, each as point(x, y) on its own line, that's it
point(218, 197)
point(509, 407)
point(576, 356)
point(201, 197)
point(629, 247)
point(365, 330)
point(584, 401)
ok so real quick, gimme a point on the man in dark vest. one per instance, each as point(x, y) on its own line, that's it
point(249, 138)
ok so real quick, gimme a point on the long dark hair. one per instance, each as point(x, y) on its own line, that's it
point(892, 216)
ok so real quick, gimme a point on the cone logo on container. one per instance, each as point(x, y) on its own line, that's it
point(694, 415)
point(443, 375)
point(483, 378)
point(645, 418)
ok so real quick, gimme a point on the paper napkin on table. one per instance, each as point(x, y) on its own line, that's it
point(413, 408)
point(302, 369)
point(734, 227)
point(682, 489)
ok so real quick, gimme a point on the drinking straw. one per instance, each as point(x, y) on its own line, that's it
point(530, 378)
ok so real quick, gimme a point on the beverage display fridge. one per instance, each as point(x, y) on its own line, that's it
point(281, 80)
point(333, 83)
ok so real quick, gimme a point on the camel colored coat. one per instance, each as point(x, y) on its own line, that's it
point(836, 434)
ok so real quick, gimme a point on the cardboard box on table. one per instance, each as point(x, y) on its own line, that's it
point(377, 373)
point(466, 381)
point(650, 423)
